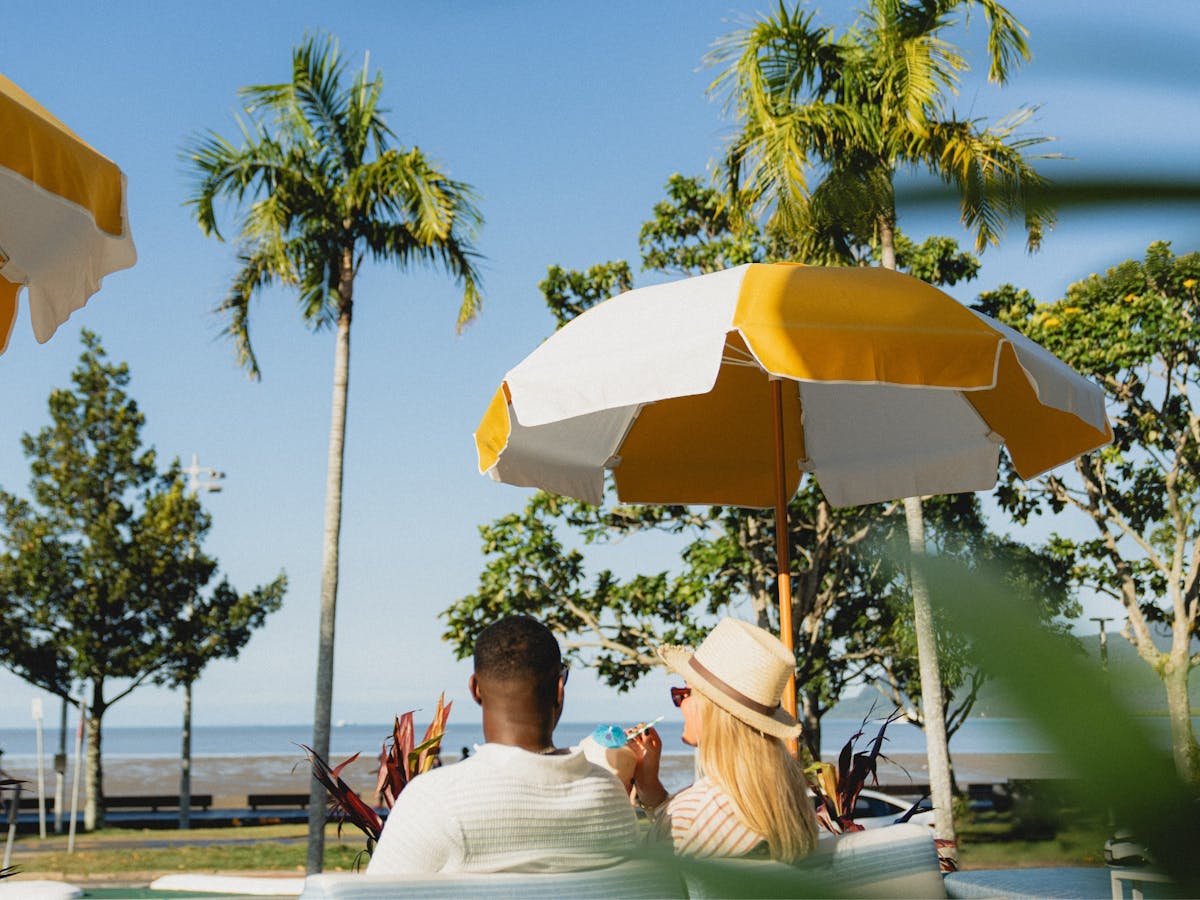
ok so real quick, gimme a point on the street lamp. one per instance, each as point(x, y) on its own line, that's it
point(200, 478)
point(196, 472)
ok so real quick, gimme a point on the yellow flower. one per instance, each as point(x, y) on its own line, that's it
point(1071, 310)
point(1052, 322)
point(1189, 283)
point(1129, 298)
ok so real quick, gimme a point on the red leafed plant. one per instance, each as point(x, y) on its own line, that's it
point(399, 765)
point(837, 789)
point(403, 761)
point(344, 804)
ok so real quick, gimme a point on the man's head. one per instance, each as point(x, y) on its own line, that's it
point(518, 681)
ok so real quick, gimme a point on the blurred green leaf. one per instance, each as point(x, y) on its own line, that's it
point(1117, 765)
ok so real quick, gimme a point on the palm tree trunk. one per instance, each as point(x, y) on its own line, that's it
point(323, 706)
point(887, 244)
point(932, 705)
point(941, 782)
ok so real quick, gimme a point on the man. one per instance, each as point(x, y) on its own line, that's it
point(519, 803)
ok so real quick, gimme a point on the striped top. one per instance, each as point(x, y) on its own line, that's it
point(702, 821)
point(505, 809)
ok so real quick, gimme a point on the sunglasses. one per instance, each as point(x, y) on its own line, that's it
point(679, 694)
point(566, 673)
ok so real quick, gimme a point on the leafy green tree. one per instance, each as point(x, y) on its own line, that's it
point(204, 629)
point(320, 189)
point(568, 293)
point(695, 229)
point(99, 563)
point(1134, 330)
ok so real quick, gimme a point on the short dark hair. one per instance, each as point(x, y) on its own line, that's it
point(519, 648)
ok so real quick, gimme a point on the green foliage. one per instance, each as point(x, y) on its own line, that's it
point(696, 230)
point(215, 626)
point(1112, 761)
point(936, 260)
point(1134, 331)
point(99, 567)
point(320, 188)
point(529, 571)
point(827, 119)
point(568, 293)
point(958, 531)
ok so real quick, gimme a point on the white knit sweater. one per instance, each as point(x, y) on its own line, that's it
point(506, 809)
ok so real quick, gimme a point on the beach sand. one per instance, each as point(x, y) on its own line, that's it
point(229, 779)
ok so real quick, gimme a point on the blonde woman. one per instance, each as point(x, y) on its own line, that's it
point(751, 798)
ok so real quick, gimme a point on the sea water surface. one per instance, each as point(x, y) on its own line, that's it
point(990, 736)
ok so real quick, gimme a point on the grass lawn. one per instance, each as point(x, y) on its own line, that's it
point(1071, 846)
point(986, 841)
point(119, 851)
point(1031, 836)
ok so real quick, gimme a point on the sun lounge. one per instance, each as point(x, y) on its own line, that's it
point(897, 861)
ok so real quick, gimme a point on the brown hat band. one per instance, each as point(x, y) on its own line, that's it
point(730, 691)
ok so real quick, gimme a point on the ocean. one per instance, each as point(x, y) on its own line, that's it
point(230, 761)
point(990, 736)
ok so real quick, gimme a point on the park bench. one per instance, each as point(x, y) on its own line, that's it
point(254, 801)
point(152, 802)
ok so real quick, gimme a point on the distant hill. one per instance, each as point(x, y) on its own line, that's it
point(1134, 685)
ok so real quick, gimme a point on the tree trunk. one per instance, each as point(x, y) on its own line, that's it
point(60, 771)
point(938, 751)
point(185, 768)
point(93, 802)
point(810, 718)
point(887, 244)
point(932, 705)
point(323, 705)
point(1184, 748)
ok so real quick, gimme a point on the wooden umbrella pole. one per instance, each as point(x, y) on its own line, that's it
point(782, 546)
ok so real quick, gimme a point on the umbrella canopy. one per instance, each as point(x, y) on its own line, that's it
point(63, 223)
point(890, 388)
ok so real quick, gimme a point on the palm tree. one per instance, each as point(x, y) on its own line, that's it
point(854, 110)
point(858, 109)
point(319, 189)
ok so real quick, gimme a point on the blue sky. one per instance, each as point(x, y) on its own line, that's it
point(567, 118)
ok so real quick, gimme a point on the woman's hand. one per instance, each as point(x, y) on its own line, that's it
point(647, 747)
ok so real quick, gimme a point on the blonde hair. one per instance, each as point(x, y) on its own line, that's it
point(764, 781)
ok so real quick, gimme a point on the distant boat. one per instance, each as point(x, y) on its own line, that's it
point(340, 723)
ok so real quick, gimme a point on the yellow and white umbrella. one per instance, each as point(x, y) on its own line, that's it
point(889, 388)
point(725, 388)
point(63, 222)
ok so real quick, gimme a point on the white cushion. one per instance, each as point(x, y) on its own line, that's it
point(633, 879)
point(230, 884)
point(895, 861)
point(33, 889)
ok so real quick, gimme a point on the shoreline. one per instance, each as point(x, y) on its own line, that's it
point(229, 779)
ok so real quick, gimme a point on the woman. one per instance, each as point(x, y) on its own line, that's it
point(751, 794)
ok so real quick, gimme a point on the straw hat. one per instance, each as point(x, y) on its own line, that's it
point(742, 669)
